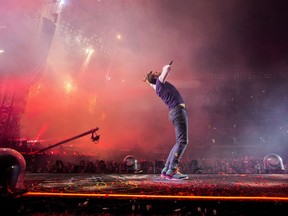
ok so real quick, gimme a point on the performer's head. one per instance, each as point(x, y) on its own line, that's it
point(152, 76)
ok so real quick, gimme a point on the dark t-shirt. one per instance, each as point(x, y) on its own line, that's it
point(168, 93)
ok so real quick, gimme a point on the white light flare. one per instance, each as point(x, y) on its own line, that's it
point(119, 36)
point(89, 52)
point(69, 87)
point(60, 6)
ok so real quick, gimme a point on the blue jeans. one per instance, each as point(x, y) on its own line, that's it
point(178, 116)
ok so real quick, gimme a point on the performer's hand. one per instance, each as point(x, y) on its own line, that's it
point(166, 67)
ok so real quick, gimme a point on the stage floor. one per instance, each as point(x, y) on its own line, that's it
point(273, 186)
point(138, 194)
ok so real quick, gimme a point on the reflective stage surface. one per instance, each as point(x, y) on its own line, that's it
point(130, 194)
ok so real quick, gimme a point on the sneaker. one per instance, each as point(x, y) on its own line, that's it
point(163, 173)
point(175, 175)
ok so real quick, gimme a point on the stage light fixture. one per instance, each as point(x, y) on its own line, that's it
point(273, 163)
point(130, 164)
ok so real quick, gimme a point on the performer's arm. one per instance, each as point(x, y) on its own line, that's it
point(164, 74)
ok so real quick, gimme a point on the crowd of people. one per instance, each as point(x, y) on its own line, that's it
point(241, 165)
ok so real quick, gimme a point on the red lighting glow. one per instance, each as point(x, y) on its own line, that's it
point(167, 197)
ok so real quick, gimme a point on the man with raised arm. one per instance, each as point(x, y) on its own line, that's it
point(177, 115)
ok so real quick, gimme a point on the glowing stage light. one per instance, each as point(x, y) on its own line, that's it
point(60, 6)
point(152, 196)
point(119, 37)
point(1, 51)
point(89, 51)
point(69, 87)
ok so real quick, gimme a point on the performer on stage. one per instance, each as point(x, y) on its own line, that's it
point(177, 115)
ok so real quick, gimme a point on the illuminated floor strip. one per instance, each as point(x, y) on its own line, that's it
point(169, 197)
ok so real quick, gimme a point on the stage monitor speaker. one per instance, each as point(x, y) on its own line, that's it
point(273, 163)
point(12, 171)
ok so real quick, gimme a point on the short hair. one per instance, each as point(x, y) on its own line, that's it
point(151, 78)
